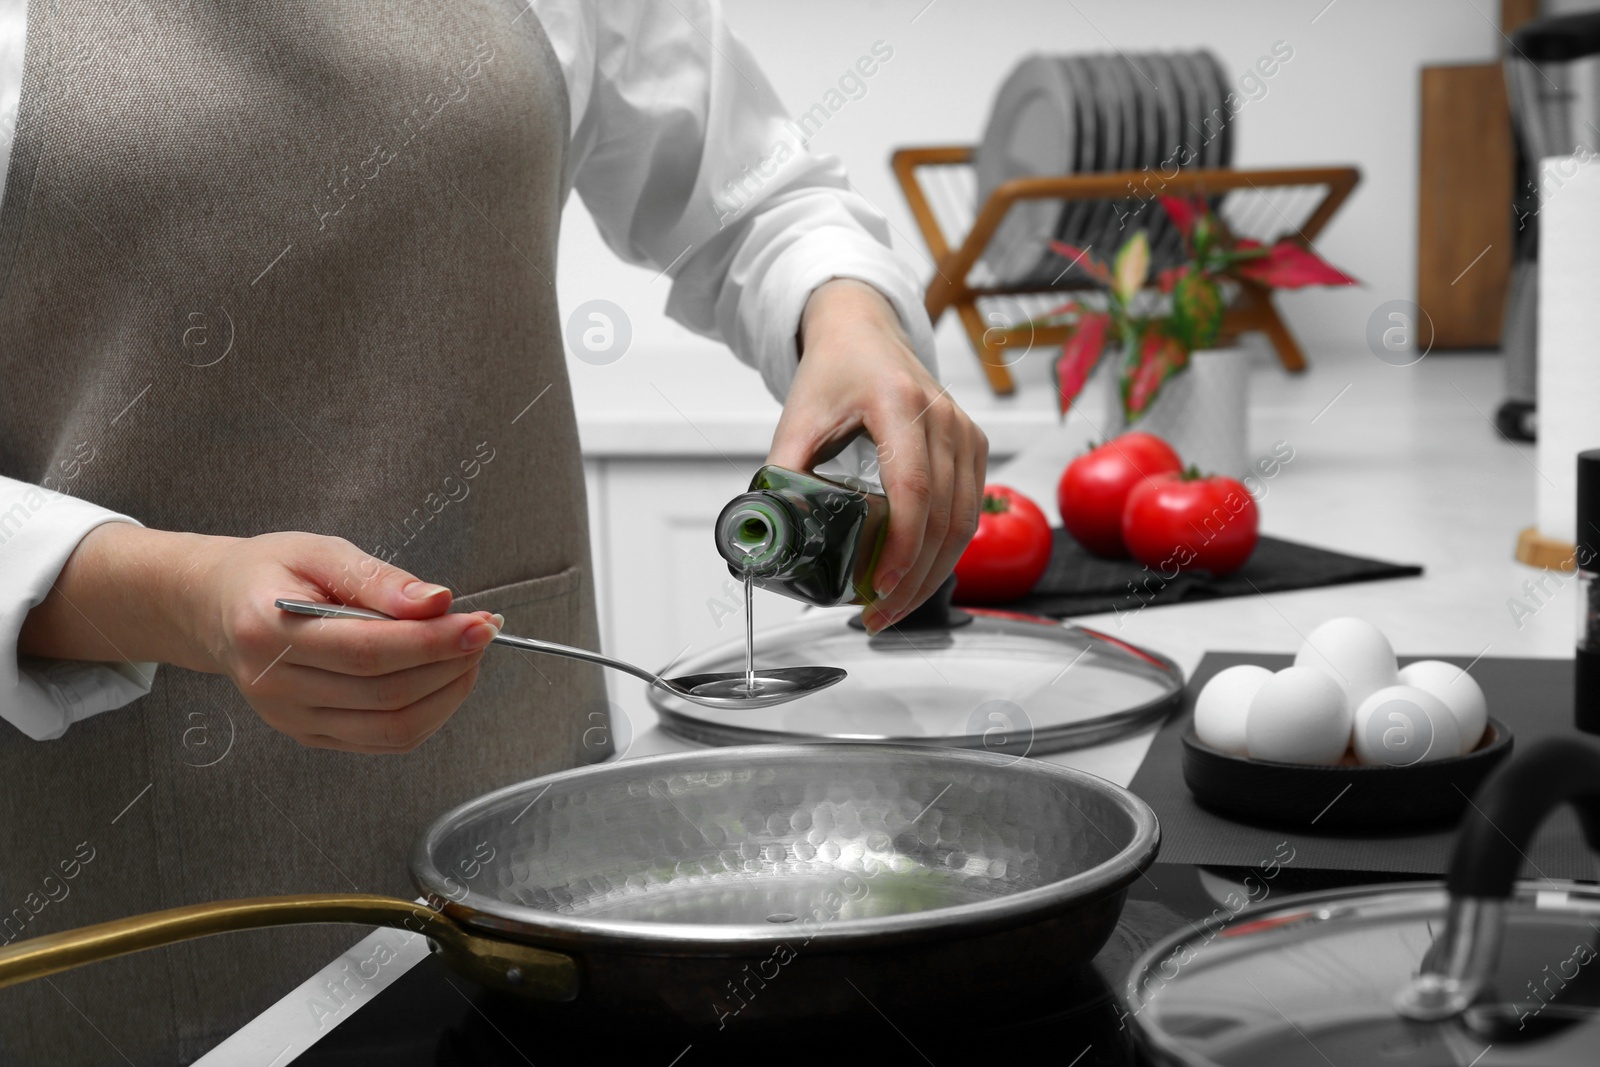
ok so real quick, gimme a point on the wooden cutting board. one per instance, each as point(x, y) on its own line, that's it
point(1464, 220)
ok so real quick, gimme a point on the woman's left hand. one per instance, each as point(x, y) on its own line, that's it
point(857, 372)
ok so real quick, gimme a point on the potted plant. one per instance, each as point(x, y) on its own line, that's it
point(1158, 333)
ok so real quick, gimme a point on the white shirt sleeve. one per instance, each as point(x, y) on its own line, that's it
point(39, 529)
point(684, 155)
point(687, 160)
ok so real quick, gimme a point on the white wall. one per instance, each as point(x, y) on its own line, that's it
point(1349, 95)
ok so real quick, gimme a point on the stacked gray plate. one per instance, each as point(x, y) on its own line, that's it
point(1078, 114)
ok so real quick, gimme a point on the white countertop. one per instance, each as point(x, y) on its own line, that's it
point(1397, 463)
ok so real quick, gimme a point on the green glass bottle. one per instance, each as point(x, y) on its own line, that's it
point(809, 537)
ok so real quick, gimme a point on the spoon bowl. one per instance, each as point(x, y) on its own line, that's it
point(774, 685)
point(728, 690)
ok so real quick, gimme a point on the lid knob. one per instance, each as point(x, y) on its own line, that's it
point(935, 613)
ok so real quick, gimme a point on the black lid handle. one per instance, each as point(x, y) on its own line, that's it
point(1490, 847)
point(1501, 820)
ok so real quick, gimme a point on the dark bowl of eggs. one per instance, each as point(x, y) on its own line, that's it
point(1344, 739)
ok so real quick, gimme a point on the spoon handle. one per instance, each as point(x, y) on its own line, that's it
point(529, 644)
point(550, 648)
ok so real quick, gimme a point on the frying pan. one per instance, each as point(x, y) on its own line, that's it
point(768, 882)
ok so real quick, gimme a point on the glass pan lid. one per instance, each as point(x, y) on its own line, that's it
point(988, 680)
point(1316, 978)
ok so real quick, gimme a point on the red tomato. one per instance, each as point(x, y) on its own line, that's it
point(1183, 522)
point(1094, 489)
point(1009, 552)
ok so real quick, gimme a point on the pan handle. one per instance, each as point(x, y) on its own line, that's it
point(500, 964)
point(1490, 847)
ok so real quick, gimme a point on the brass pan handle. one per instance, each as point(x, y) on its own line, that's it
point(507, 965)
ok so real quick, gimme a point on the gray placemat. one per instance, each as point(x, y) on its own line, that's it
point(1533, 697)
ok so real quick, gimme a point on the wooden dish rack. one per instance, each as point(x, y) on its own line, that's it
point(941, 188)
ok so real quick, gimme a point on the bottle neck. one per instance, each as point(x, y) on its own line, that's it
point(760, 534)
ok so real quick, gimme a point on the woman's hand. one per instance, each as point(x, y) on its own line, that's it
point(857, 372)
point(206, 603)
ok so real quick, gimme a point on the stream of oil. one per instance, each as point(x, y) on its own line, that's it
point(749, 636)
point(748, 685)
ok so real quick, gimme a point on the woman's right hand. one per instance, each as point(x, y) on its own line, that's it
point(206, 603)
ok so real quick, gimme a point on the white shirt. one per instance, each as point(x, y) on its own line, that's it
point(664, 99)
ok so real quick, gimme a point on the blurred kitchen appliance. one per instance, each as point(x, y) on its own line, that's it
point(1553, 80)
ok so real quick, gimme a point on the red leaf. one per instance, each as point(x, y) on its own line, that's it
point(1141, 389)
point(1160, 356)
point(1080, 256)
point(1079, 355)
point(1287, 265)
point(1183, 211)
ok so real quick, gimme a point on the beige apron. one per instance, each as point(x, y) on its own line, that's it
point(281, 265)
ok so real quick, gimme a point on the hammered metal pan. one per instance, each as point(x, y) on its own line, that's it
point(767, 883)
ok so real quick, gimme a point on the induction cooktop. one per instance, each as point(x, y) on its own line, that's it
point(431, 1017)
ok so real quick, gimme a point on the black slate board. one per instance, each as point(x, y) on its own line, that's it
point(1077, 583)
point(1531, 696)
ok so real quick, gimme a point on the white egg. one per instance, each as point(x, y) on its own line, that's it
point(1460, 693)
point(1299, 715)
point(1400, 725)
point(1221, 707)
point(1354, 653)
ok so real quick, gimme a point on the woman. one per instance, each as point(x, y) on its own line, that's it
point(269, 272)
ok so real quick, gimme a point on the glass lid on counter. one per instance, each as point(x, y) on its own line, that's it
point(1317, 979)
point(1016, 684)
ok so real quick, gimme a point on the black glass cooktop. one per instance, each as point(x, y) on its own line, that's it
point(432, 1017)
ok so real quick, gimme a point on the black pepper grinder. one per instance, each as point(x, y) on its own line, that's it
point(1586, 682)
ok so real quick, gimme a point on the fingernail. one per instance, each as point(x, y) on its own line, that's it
point(885, 582)
point(499, 621)
point(479, 636)
point(422, 591)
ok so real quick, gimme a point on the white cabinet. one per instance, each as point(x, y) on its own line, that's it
point(664, 593)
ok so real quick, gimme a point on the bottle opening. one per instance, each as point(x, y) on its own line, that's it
point(754, 533)
point(751, 535)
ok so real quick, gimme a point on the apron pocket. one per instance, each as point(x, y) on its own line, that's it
point(552, 713)
point(515, 594)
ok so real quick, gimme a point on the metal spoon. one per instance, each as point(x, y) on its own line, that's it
point(775, 685)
